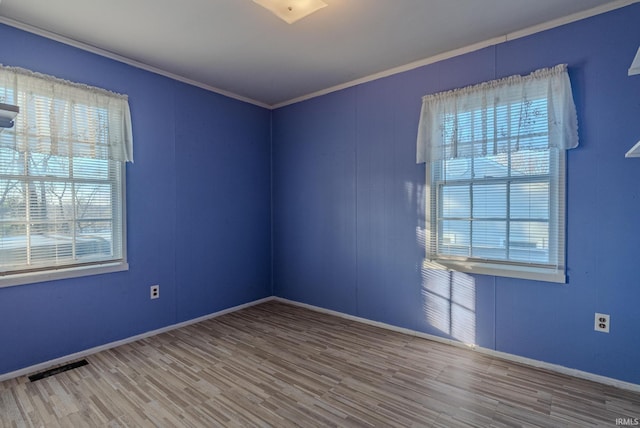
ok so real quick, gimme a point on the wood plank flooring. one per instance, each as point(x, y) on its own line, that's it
point(279, 365)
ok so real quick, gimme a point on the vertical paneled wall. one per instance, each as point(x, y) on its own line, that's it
point(348, 209)
point(198, 213)
point(349, 206)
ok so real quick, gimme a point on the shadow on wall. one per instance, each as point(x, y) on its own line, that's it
point(449, 302)
point(449, 297)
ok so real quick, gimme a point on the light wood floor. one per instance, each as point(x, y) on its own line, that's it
point(280, 365)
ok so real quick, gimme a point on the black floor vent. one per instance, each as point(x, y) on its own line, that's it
point(57, 370)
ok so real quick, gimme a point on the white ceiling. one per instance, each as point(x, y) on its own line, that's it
point(238, 47)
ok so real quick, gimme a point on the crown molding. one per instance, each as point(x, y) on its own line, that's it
point(386, 73)
point(137, 64)
point(466, 49)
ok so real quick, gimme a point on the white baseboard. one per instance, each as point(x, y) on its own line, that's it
point(503, 355)
point(86, 353)
point(498, 354)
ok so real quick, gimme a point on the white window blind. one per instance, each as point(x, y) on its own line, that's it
point(495, 155)
point(61, 175)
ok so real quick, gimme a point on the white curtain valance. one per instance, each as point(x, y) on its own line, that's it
point(62, 118)
point(531, 112)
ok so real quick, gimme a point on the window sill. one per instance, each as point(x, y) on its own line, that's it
point(52, 275)
point(508, 271)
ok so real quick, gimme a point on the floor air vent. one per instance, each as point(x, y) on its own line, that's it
point(55, 371)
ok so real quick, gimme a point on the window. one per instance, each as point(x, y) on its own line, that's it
point(495, 156)
point(62, 187)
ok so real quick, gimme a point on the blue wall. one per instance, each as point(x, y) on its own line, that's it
point(348, 217)
point(198, 213)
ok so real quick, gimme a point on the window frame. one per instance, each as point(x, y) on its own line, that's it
point(510, 269)
point(53, 273)
point(440, 136)
point(71, 121)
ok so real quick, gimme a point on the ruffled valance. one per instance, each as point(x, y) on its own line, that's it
point(62, 118)
point(534, 112)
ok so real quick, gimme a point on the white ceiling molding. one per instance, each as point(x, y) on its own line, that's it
point(289, 74)
point(98, 51)
point(467, 49)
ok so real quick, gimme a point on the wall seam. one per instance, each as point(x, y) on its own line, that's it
point(175, 208)
point(355, 178)
point(271, 198)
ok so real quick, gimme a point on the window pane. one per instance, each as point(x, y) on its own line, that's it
point(94, 239)
point(455, 238)
point(12, 202)
point(48, 165)
point(464, 129)
point(527, 162)
point(13, 245)
point(529, 242)
point(36, 193)
point(491, 166)
point(51, 243)
point(456, 202)
point(91, 168)
point(457, 169)
point(11, 162)
point(62, 229)
point(93, 201)
point(49, 202)
point(490, 201)
point(58, 206)
point(530, 201)
point(489, 239)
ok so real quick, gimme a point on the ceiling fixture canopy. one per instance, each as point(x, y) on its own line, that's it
point(292, 10)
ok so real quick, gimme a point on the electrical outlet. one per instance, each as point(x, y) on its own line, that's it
point(155, 291)
point(602, 323)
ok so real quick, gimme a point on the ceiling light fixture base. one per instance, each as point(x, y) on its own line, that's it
point(291, 11)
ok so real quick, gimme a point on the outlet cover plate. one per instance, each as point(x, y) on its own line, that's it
point(602, 323)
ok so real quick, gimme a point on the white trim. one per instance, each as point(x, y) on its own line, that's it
point(107, 54)
point(396, 70)
point(103, 267)
point(505, 270)
point(66, 273)
point(498, 354)
point(634, 152)
point(472, 347)
point(635, 65)
point(466, 49)
point(578, 16)
point(67, 358)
